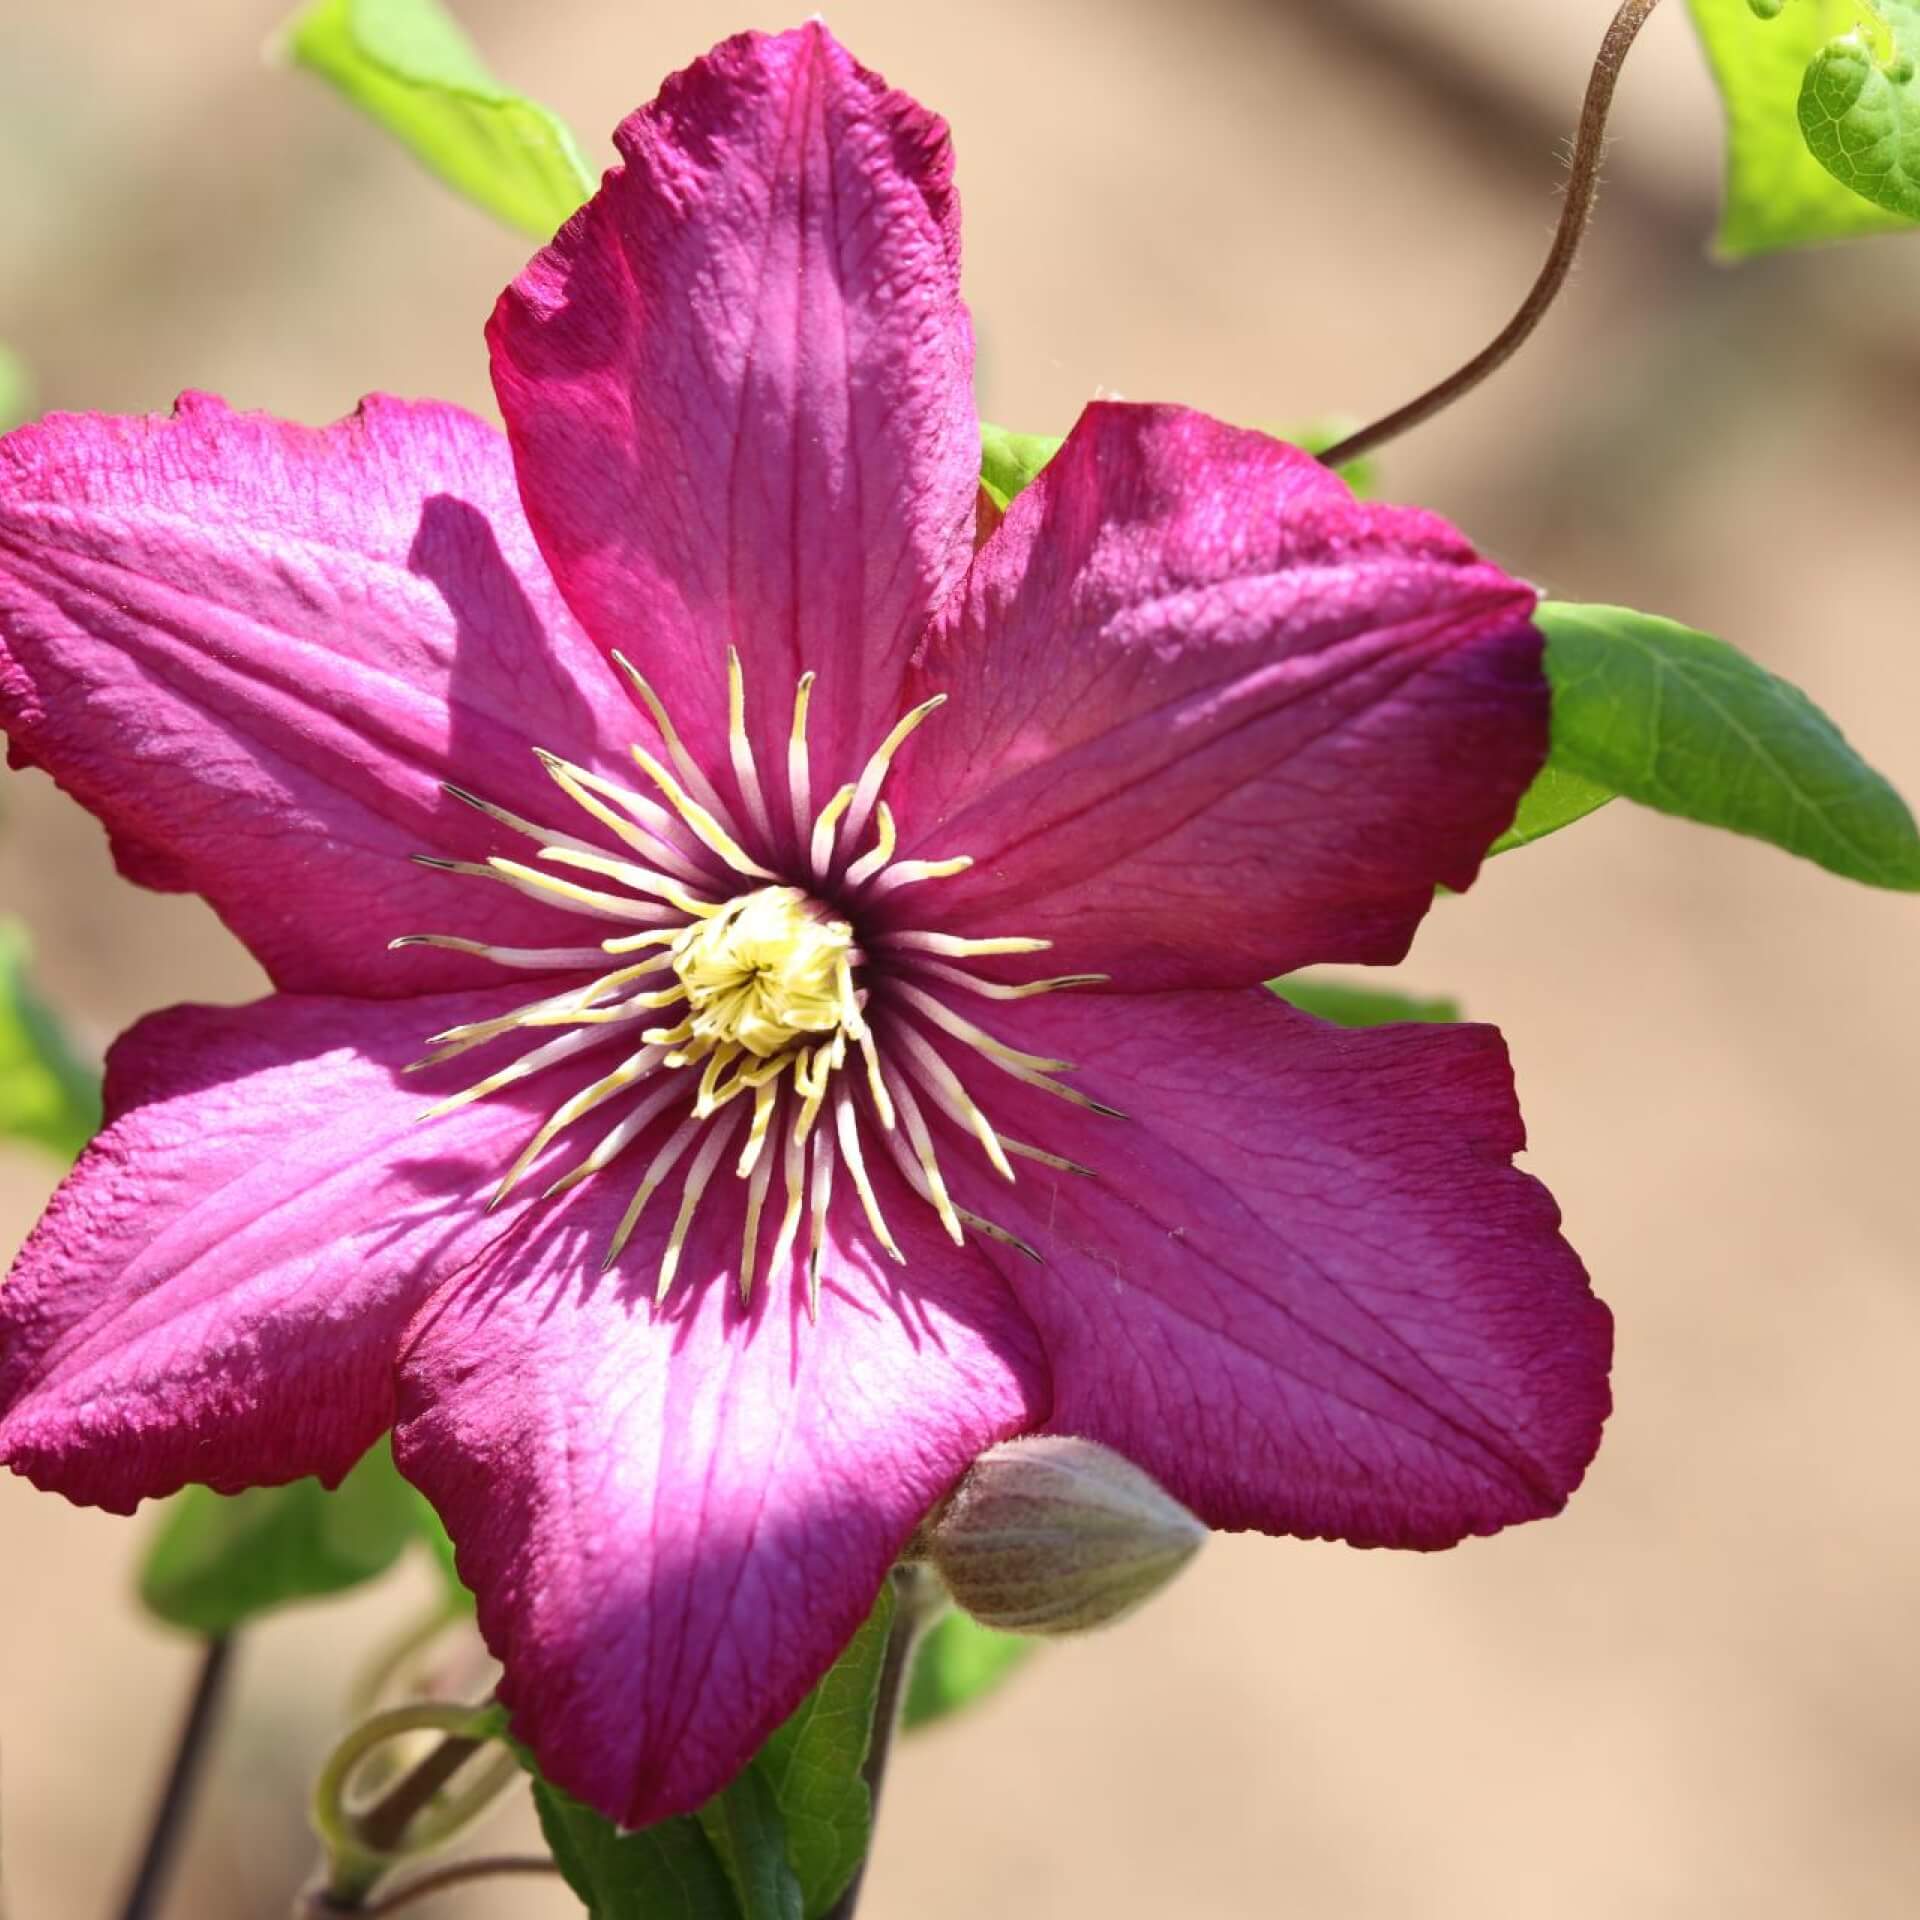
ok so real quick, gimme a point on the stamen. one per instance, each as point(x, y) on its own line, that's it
point(662, 1164)
point(511, 821)
point(998, 990)
point(547, 887)
point(799, 772)
point(1022, 1065)
point(872, 861)
point(697, 783)
point(796, 1174)
point(876, 1080)
point(620, 1138)
point(846, 1126)
point(640, 879)
point(641, 824)
point(820, 851)
point(704, 822)
point(522, 1069)
point(907, 873)
point(1020, 1150)
point(532, 959)
point(875, 773)
point(698, 1175)
point(766, 1100)
point(926, 1178)
point(756, 1200)
point(955, 948)
point(943, 1087)
point(1030, 1067)
point(823, 1158)
point(740, 750)
point(458, 1040)
point(1005, 1238)
point(631, 1070)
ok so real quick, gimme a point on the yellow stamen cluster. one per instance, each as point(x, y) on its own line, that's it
point(731, 992)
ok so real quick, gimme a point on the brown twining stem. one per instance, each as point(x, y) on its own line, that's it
point(459, 1874)
point(1583, 188)
point(384, 1824)
point(176, 1796)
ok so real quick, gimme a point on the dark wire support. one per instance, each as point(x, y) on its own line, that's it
point(168, 1824)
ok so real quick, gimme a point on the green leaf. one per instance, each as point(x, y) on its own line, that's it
point(1860, 111)
point(1555, 800)
point(743, 1827)
point(432, 1535)
point(813, 1765)
point(46, 1095)
point(1777, 193)
point(16, 389)
point(1010, 461)
point(220, 1559)
point(406, 64)
point(1349, 1006)
point(1686, 724)
point(664, 1872)
point(960, 1662)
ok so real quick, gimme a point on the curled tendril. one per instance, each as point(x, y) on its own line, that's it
point(423, 1810)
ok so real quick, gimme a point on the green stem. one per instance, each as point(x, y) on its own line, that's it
point(1583, 189)
point(917, 1603)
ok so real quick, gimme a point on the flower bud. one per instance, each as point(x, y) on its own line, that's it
point(1057, 1535)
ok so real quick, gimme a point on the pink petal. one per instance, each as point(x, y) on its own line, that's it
point(675, 1519)
point(1305, 1288)
point(256, 650)
point(217, 1292)
point(1210, 718)
point(738, 387)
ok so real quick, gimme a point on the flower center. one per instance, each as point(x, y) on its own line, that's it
point(729, 992)
point(769, 969)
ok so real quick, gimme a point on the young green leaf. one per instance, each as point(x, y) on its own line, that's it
point(406, 64)
point(1009, 461)
point(664, 1872)
point(743, 1827)
point(813, 1765)
point(959, 1662)
point(1555, 800)
point(1860, 111)
point(1686, 724)
point(432, 1535)
point(46, 1095)
point(1777, 193)
point(1349, 1006)
point(220, 1559)
point(1362, 475)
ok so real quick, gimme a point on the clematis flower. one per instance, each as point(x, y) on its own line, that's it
point(823, 926)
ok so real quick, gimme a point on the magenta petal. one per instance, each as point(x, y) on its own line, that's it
point(738, 387)
point(1210, 719)
point(256, 650)
point(675, 1519)
point(1305, 1287)
point(217, 1292)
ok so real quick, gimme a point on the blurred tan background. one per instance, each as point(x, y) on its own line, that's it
point(1697, 1692)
